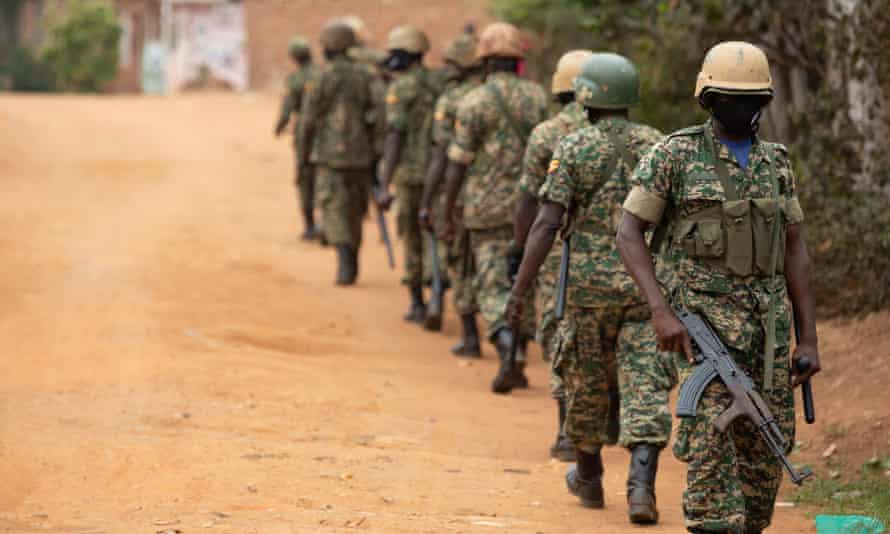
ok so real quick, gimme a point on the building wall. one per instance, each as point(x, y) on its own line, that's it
point(140, 21)
point(271, 24)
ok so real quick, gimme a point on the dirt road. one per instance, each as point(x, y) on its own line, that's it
point(175, 359)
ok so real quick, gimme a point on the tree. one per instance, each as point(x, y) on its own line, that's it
point(83, 49)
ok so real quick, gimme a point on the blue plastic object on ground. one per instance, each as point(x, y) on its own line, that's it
point(848, 524)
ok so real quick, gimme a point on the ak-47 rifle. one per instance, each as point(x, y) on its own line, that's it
point(714, 361)
point(434, 309)
point(381, 225)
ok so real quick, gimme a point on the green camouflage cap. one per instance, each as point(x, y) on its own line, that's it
point(298, 46)
point(607, 81)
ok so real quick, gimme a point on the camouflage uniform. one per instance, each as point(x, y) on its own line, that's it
point(732, 479)
point(340, 130)
point(443, 132)
point(488, 142)
point(604, 309)
point(293, 99)
point(538, 154)
point(409, 109)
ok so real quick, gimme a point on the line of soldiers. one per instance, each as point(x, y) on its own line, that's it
point(707, 220)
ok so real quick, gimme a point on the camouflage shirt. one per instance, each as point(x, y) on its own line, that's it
point(491, 142)
point(680, 172)
point(341, 119)
point(579, 180)
point(409, 109)
point(543, 141)
point(293, 98)
point(445, 114)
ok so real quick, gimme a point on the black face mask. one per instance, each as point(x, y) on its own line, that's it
point(400, 60)
point(739, 115)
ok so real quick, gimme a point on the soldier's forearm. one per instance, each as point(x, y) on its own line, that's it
point(631, 244)
point(797, 275)
point(526, 211)
point(392, 155)
point(434, 174)
point(454, 179)
point(540, 241)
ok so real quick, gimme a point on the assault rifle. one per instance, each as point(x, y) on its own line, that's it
point(381, 225)
point(715, 361)
point(434, 310)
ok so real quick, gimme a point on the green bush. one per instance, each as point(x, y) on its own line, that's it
point(25, 72)
point(83, 50)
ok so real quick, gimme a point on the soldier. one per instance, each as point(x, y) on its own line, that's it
point(493, 124)
point(302, 56)
point(538, 153)
point(341, 119)
point(409, 119)
point(460, 56)
point(606, 316)
point(727, 202)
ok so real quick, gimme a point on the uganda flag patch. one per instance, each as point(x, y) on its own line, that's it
point(554, 165)
point(391, 98)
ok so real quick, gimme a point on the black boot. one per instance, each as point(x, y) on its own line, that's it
point(505, 380)
point(353, 264)
point(434, 311)
point(344, 266)
point(417, 311)
point(641, 484)
point(562, 449)
point(585, 479)
point(469, 343)
point(519, 377)
point(613, 426)
point(311, 231)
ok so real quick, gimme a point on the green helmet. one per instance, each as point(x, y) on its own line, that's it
point(607, 81)
point(298, 46)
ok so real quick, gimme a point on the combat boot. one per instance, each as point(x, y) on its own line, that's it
point(641, 484)
point(519, 377)
point(563, 449)
point(434, 311)
point(585, 479)
point(353, 264)
point(469, 342)
point(613, 426)
point(417, 311)
point(311, 231)
point(344, 266)
point(505, 380)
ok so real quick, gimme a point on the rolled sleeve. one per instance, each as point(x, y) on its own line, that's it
point(559, 186)
point(466, 135)
point(793, 211)
point(645, 205)
point(399, 98)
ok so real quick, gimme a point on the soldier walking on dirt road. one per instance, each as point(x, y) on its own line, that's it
point(341, 120)
point(538, 154)
point(606, 318)
point(460, 54)
point(729, 204)
point(409, 120)
point(493, 124)
point(299, 51)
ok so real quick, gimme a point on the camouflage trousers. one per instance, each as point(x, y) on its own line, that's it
point(343, 196)
point(547, 281)
point(305, 190)
point(732, 478)
point(408, 199)
point(461, 276)
point(491, 283)
point(646, 377)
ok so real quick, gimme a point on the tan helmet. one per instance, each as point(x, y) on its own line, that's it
point(500, 39)
point(462, 51)
point(298, 47)
point(734, 67)
point(409, 39)
point(358, 27)
point(337, 37)
point(568, 66)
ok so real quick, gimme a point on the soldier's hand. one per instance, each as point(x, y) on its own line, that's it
point(446, 234)
point(424, 219)
point(812, 354)
point(514, 311)
point(384, 200)
point(672, 335)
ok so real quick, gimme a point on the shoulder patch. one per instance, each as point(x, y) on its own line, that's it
point(392, 98)
point(439, 115)
point(554, 166)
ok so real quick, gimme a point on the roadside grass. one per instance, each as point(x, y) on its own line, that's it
point(869, 495)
